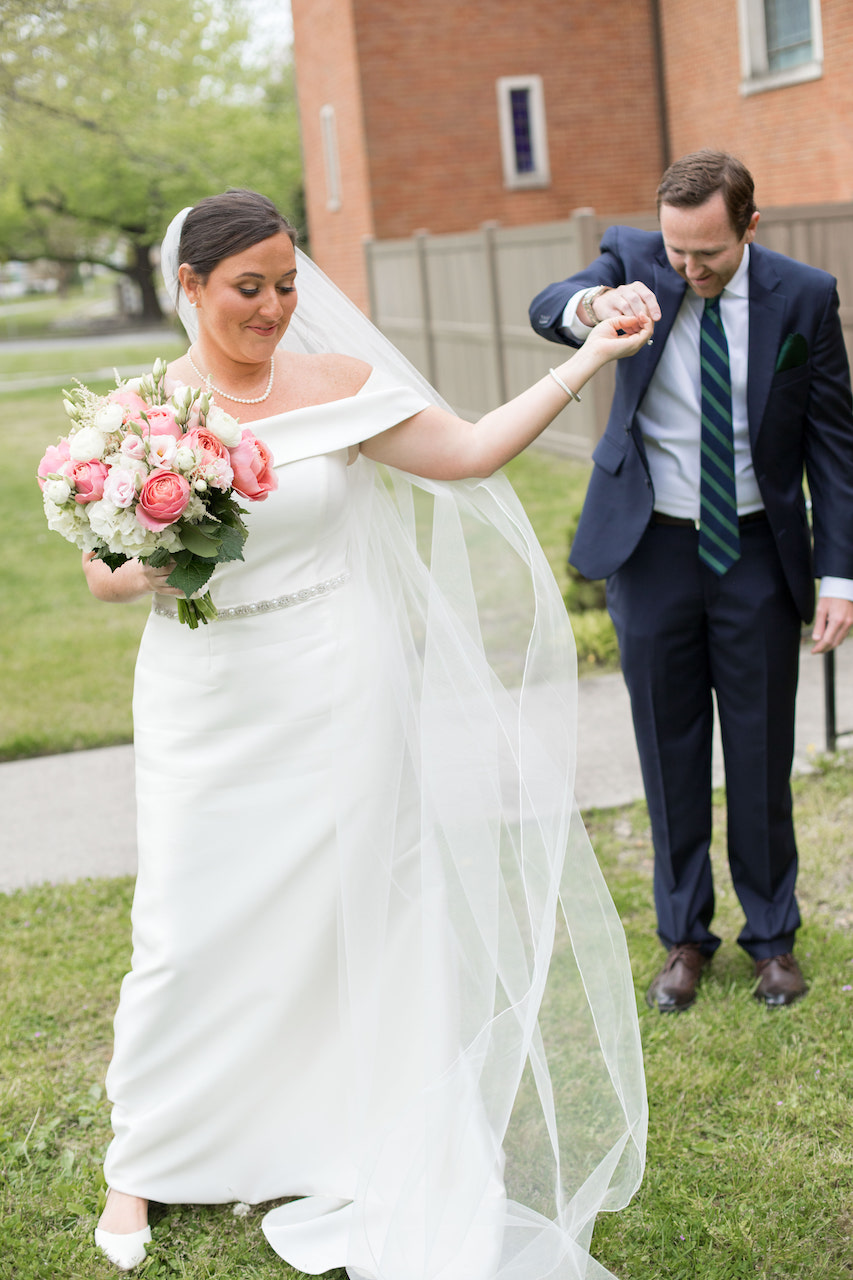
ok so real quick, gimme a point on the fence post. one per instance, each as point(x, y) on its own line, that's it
point(600, 389)
point(370, 265)
point(420, 239)
point(490, 245)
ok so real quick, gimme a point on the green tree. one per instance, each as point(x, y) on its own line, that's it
point(114, 114)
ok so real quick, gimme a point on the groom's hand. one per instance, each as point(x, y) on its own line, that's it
point(635, 299)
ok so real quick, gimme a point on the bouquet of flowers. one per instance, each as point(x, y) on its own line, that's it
point(146, 476)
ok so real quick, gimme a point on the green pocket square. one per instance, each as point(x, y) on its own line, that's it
point(794, 353)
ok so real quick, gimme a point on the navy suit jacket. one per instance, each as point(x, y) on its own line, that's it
point(800, 417)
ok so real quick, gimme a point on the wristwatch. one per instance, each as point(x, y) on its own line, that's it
point(587, 299)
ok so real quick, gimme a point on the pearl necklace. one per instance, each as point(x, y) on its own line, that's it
point(237, 399)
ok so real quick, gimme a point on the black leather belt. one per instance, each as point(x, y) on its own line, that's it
point(682, 522)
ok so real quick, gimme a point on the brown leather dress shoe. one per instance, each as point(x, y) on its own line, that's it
point(780, 981)
point(674, 988)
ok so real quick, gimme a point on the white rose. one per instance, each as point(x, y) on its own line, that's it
point(109, 418)
point(86, 444)
point(58, 491)
point(224, 427)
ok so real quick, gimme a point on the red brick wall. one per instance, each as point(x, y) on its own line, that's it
point(429, 74)
point(796, 140)
point(424, 92)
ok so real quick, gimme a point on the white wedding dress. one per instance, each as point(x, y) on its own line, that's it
point(356, 830)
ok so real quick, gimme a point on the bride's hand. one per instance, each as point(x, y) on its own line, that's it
point(619, 336)
point(131, 581)
point(155, 579)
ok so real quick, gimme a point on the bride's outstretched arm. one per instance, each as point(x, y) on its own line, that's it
point(438, 445)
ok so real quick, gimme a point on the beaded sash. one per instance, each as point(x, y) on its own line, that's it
point(164, 610)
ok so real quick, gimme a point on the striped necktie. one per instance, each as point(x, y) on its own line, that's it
point(719, 537)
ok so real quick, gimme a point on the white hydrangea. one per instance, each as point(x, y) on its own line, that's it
point(195, 510)
point(71, 523)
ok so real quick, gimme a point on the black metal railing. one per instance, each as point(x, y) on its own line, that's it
point(833, 733)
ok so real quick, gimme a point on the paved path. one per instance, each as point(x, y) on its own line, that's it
point(48, 831)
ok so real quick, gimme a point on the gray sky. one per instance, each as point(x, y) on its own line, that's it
point(271, 23)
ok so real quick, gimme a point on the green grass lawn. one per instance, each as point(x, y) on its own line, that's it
point(749, 1171)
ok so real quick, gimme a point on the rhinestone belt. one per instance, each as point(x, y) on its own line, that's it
point(262, 606)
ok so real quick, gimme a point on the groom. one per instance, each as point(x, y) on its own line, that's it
point(695, 515)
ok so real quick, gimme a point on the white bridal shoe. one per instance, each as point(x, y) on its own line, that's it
point(124, 1251)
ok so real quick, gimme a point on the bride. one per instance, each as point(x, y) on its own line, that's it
point(356, 825)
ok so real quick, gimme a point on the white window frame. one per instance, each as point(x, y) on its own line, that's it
point(756, 76)
point(540, 174)
point(331, 157)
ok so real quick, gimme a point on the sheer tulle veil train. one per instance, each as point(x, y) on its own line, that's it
point(514, 1009)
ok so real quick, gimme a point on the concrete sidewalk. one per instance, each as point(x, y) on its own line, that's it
point(48, 832)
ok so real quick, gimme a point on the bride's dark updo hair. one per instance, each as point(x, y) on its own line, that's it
point(220, 226)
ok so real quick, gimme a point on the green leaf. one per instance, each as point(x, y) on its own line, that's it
point(199, 543)
point(231, 542)
point(191, 577)
point(113, 560)
point(159, 557)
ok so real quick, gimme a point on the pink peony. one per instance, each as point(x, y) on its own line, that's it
point(88, 479)
point(162, 422)
point(163, 498)
point(252, 462)
point(55, 456)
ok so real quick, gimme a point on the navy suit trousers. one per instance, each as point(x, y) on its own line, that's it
point(685, 632)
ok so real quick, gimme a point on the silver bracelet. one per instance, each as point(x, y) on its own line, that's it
point(573, 395)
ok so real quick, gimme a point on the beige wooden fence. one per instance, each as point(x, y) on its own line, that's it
point(457, 304)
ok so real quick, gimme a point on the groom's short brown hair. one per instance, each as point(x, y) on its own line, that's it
point(694, 178)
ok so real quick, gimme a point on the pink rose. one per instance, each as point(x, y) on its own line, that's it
point(55, 455)
point(120, 487)
point(252, 462)
point(162, 422)
point(206, 444)
point(162, 500)
point(88, 479)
